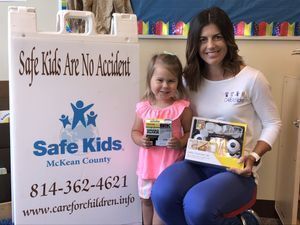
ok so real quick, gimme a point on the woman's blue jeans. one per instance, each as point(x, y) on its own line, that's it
point(194, 194)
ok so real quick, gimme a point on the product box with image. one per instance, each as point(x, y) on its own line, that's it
point(4, 116)
point(216, 142)
point(159, 131)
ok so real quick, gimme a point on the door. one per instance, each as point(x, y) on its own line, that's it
point(288, 170)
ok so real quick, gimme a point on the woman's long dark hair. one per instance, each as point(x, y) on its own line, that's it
point(194, 69)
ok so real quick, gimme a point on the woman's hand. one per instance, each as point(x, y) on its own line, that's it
point(261, 148)
point(174, 143)
point(247, 170)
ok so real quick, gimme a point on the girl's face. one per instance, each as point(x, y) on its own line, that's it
point(163, 84)
point(212, 46)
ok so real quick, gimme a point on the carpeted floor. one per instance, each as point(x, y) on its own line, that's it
point(270, 221)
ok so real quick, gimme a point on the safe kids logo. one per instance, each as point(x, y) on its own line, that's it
point(81, 124)
point(78, 134)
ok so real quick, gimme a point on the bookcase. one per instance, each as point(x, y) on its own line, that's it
point(5, 181)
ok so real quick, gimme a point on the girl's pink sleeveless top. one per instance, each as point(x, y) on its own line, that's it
point(154, 160)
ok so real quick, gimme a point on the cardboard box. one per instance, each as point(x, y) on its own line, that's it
point(159, 131)
point(4, 135)
point(4, 116)
point(215, 142)
point(5, 210)
point(5, 188)
point(5, 159)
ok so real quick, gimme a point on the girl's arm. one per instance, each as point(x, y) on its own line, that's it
point(137, 133)
point(186, 120)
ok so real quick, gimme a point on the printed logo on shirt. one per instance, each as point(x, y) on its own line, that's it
point(235, 96)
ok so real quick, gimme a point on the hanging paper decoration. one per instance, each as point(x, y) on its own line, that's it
point(297, 29)
point(143, 28)
point(255, 29)
point(291, 29)
point(262, 29)
point(276, 29)
point(248, 29)
point(284, 28)
point(161, 28)
point(269, 29)
point(186, 29)
point(158, 28)
point(165, 28)
point(180, 28)
point(140, 27)
point(146, 28)
point(174, 30)
point(240, 29)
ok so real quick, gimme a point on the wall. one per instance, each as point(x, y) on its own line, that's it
point(273, 57)
point(46, 21)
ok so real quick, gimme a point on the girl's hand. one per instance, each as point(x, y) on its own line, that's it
point(145, 142)
point(174, 143)
point(247, 170)
point(137, 134)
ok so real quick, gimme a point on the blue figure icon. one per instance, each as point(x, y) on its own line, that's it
point(91, 118)
point(79, 111)
point(65, 120)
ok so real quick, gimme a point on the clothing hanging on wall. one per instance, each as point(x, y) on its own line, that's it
point(102, 10)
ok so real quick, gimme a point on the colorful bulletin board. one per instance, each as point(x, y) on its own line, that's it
point(250, 17)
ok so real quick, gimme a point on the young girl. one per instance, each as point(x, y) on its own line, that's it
point(163, 99)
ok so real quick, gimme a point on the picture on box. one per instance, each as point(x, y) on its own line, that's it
point(159, 131)
point(216, 142)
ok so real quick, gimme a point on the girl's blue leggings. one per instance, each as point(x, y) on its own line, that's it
point(194, 194)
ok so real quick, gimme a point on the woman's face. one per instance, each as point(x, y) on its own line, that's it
point(212, 46)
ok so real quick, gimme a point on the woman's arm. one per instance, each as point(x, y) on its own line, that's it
point(266, 110)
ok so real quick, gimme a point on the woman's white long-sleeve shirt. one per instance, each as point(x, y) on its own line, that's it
point(245, 98)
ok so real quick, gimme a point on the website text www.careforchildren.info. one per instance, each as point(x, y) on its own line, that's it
point(78, 206)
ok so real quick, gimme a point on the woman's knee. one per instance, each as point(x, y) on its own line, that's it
point(199, 212)
point(162, 192)
point(169, 185)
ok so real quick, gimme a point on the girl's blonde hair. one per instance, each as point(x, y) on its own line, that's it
point(173, 65)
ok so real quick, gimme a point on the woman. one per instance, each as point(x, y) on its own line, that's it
point(221, 87)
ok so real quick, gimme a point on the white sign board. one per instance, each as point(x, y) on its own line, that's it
point(72, 103)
